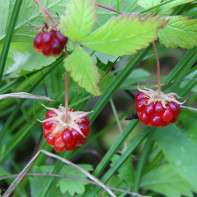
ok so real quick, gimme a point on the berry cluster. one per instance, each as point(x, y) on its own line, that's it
point(63, 135)
point(50, 43)
point(156, 112)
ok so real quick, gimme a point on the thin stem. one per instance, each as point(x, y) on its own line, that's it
point(108, 8)
point(66, 97)
point(72, 178)
point(45, 11)
point(118, 7)
point(158, 70)
point(66, 90)
point(30, 163)
point(42, 9)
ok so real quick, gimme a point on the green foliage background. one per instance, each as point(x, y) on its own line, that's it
point(123, 154)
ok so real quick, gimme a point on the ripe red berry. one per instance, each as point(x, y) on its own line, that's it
point(154, 111)
point(64, 135)
point(50, 43)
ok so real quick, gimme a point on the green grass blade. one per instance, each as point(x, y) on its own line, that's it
point(120, 161)
point(118, 80)
point(8, 38)
point(143, 159)
point(17, 108)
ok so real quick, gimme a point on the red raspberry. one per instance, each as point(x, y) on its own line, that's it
point(50, 43)
point(62, 135)
point(157, 112)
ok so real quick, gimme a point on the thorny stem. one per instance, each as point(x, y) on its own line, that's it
point(154, 46)
point(158, 70)
point(66, 90)
point(45, 12)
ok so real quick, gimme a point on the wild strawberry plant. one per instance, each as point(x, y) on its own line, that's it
point(70, 51)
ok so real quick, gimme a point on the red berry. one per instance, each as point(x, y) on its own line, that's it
point(47, 125)
point(61, 134)
point(67, 137)
point(59, 149)
point(46, 133)
point(81, 142)
point(167, 115)
point(85, 129)
point(85, 120)
point(38, 42)
point(159, 109)
point(50, 114)
point(62, 39)
point(50, 140)
point(145, 118)
point(58, 141)
point(50, 43)
point(175, 108)
point(77, 136)
point(156, 121)
point(156, 112)
point(70, 147)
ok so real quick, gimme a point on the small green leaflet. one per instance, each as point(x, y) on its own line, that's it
point(83, 70)
point(179, 32)
point(73, 186)
point(165, 180)
point(79, 20)
point(146, 4)
point(179, 150)
point(124, 34)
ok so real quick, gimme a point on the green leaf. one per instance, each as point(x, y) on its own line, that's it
point(25, 63)
point(165, 180)
point(83, 70)
point(125, 172)
point(73, 186)
point(37, 183)
point(79, 20)
point(179, 32)
point(125, 34)
point(146, 4)
point(139, 75)
point(179, 150)
point(175, 3)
